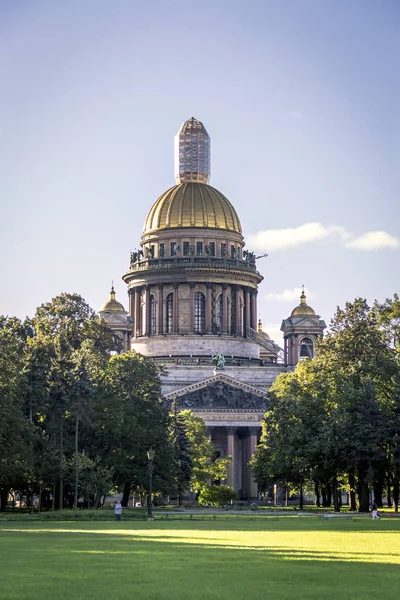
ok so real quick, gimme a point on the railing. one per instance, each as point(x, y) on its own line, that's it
point(264, 342)
point(188, 262)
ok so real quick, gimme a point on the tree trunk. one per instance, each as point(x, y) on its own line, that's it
point(53, 498)
point(396, 486)
point(388, 486)
point(336, 503)
point(61, 498)
point(378, 487)
point(125, 495)
point(317, 494)
point(97, 501)
point(352, 486)
point(363, 488)
point(76, 461)
point(3, 498)
point(301, 495)
point(323, 492)
point(329, 494)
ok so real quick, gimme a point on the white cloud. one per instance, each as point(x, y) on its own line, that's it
point(279, 239)
point(374, 240)
point(288, 295)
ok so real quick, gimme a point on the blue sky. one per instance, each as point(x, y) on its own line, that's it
point(301, 100)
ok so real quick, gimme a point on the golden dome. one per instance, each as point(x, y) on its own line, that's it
point(192, 205)
point(112, 305)
point(302, 308)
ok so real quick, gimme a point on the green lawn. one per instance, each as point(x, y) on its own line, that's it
point(242, 559)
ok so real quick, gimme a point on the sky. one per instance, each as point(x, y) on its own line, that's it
point(301, 100)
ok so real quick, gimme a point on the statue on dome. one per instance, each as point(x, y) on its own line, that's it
point(191, 250)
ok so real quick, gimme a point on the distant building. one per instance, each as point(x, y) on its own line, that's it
point(192, 290)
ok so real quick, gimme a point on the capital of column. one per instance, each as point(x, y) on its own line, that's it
point(231, 430)
point(254, 430)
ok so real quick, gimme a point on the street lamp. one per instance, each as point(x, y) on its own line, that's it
point(150, 456)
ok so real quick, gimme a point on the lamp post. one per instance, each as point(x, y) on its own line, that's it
point(150, 456)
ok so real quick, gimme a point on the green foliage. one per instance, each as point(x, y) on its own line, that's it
point(207, 469)
point(217, 495)
point(334, 418)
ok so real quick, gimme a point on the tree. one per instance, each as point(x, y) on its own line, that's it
point(16, 434)
point(182, 463)
point(207, 469)
point(129, 419)
point(217, 495)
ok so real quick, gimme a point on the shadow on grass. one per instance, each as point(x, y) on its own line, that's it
point(121, 568)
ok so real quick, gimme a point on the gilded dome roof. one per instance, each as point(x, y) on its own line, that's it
point(192, 205)
point(302, 308)
point(112, 305)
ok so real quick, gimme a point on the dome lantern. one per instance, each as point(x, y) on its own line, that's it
point(192, 153)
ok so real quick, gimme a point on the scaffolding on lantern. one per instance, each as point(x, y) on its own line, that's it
point(192, 153)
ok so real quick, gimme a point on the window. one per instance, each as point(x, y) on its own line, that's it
point(186, 248)
point(212, 248)
point(199, 248)
point(306, 348)
point(223, 250)
point(173, 246)
point(199, 312)
point(152, 315)
point(170, 312)
point(219, 313)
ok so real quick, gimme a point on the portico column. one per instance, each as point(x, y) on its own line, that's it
point(231, 447)
point(210, 429)
point(147, 309)
point(253, 311)
point(252, 487)
point(208, 307)
point(160, 309)
point(175, 326)
point(237, 311)
point(224, 308)
point(137, 317)
point(132, 302)
point(247, 309)
point(191, 309)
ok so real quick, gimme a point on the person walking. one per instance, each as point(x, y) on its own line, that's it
point(118, 510)
point(374, 510)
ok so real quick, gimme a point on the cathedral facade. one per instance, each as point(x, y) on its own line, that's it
point(192, 289)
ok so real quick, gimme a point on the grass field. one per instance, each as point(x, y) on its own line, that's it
point(285, 558)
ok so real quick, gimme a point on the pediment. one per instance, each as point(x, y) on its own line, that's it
point(220, 392)
point(115, 319)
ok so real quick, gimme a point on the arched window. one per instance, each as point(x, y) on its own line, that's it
point(170, 312)
point(199, 312)
point(152, 315)
point(306, 348)
point(219, 313)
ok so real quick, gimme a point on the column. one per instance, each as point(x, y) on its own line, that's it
point(138, 320)
point(208, 307)
point(160, 309)
point(253, 311)
point(252, 486)
point(231, 447)
point(224, 308)
point(191, 309)
point(237, 311)
point(210, 430)
point(175, 324)
point(147, 310)
point(132, 302)
point(247, 309)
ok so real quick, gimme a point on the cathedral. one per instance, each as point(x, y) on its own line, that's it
point(192, 289)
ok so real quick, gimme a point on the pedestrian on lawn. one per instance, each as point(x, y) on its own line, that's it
point(374, 510)
point(118, 510)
